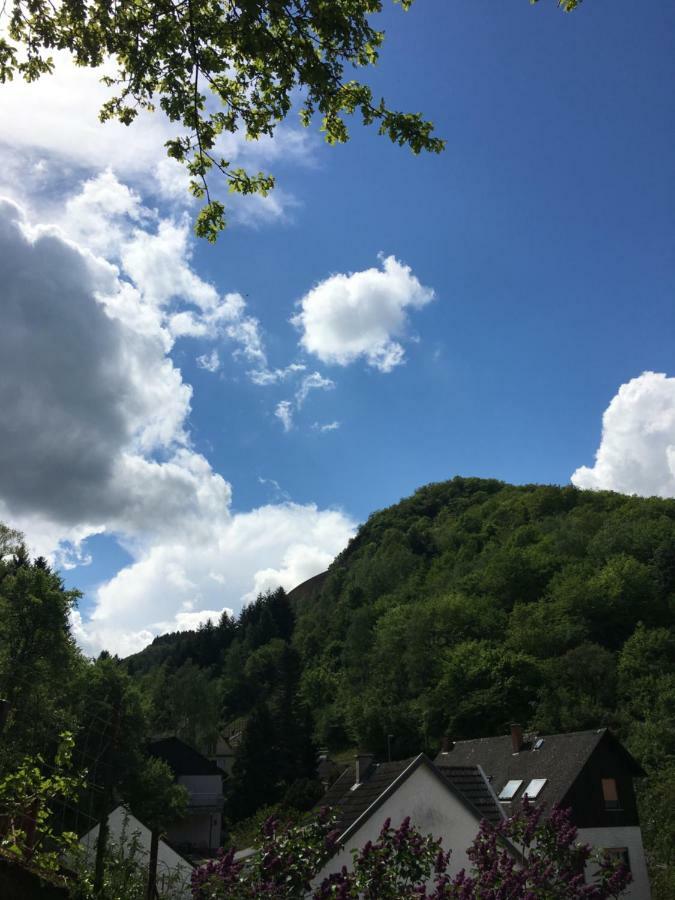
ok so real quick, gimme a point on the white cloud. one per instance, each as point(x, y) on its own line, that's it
point(286, 409)
point(226, 562)
point(637, 448)
point(328, 426)
point(210, 362)
point(313, 382)
point(284, 412)
point(363, 314)
point(94, 438)
point(265, 377)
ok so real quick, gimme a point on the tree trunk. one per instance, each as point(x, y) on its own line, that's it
point(151, 892)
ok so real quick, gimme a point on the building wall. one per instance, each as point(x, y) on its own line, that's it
point(203, 788)
point(199, 830)
point(622, 836)
point(585, 796)
point(432, 809)
point(201, 826)
point(170, 865)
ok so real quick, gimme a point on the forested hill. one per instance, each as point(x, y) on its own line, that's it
point(471, 604)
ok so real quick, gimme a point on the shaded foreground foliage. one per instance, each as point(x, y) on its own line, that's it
point(403, 864)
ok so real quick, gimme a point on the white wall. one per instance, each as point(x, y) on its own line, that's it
point(202, 824)
point(631, 838)
point(200, 830)
point(204, 789)
point(168, 861)
point(432, 809)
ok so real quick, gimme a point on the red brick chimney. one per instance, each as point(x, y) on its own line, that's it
point(516, 737)
point(446, 744)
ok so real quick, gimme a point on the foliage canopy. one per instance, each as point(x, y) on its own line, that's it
point(216, 66)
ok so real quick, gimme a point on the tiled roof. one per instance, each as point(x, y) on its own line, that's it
point(474, 787)
point(181, 758)
point(559, 758)
point(351, 803)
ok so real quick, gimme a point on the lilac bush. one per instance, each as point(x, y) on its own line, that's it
point(526, 857)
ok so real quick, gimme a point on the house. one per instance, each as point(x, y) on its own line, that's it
point(448, 804)
point(589, 772)
point(174, 872)
point(222, 753)
point(200, 830)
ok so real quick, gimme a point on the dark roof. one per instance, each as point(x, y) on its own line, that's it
point(559, 759)
point(474, 787)
point(465, 782)
point(181, 758)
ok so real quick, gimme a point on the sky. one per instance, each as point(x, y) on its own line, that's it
point(185, 425)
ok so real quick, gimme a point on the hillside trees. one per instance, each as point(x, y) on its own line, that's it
point(39, 662)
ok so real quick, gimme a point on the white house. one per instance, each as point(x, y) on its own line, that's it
point(447, 806)
point(173, 870)
point(200, 830)
point(588, 772)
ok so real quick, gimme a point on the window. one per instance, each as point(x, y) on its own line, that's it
point(610, 793)
point(534, 788)
point(618, 854)
point(510, 789)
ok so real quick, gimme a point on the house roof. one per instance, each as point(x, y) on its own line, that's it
point(350, 804)
point(181, 758)
point(473, 785)
point(558, 758)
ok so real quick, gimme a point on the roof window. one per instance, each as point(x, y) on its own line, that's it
point(510, 789)
point(534, 788)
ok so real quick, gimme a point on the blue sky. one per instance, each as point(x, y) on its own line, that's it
point(545, 230)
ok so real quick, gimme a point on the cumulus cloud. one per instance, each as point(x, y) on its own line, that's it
point(94, 438)
point(221, 565)
point(637, 448)
point(361, 315)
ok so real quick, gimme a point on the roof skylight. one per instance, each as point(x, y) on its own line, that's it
point(510, 789)
point(534, 788)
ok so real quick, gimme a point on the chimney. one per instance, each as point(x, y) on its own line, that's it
point(364, 760)
point(446, 744)
point(516, 737)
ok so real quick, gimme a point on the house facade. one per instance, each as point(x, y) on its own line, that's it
point(174, 872)
point(200, 830)
point(450, 806)
point(588, 772)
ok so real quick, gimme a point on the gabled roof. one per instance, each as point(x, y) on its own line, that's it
point(354, 805)
point(181, 758)
point(559, 758)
